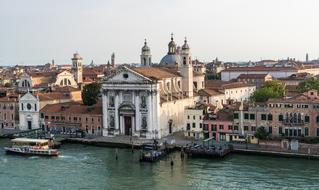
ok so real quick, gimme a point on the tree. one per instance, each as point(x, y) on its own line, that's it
point(309, 84)
point(261, 133)
point(272, 89)
point(8, 85)
point(90, 93)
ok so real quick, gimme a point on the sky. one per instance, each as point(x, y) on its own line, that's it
point(37, 31)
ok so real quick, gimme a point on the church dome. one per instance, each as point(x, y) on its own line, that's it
point(171, 60)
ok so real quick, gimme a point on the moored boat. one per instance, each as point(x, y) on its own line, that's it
point(31, 147)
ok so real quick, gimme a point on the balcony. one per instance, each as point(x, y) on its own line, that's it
point(293, 123)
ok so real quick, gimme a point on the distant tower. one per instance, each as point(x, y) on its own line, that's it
point(307, 57)
point(186, 70)
point(146, 56)
point(113, 59)
point(172, 46)
point(77, 67)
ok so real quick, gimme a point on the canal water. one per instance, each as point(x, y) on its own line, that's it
point(87, 167)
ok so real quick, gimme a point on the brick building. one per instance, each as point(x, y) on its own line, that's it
point(70, 117)
point(9, 115)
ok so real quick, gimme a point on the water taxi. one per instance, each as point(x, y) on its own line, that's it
point(151, 153)
point(32, 147)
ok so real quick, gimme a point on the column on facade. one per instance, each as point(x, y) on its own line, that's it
point(116, 105)
point(150, 128)
point(105, 112)
point(138, 117)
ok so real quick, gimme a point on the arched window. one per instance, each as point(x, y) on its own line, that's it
point(184, 60)
point(65, 82)
point(61, 83)
point(167, 85)
point(144, 61)
point(69, 82)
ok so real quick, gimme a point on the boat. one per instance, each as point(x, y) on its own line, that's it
point(151, 153)
point(31, 147)
point(209, 149)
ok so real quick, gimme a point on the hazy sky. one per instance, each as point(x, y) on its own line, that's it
point(35, 31)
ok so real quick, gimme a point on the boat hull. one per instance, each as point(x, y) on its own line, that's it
point(52, 153)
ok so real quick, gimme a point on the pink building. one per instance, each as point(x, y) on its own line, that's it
point(220, 126)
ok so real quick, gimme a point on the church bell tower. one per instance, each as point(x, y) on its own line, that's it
point(186, 70)
point(146, 56)
point(77, 67)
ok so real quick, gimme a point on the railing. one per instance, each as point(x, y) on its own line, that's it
point(291, 123)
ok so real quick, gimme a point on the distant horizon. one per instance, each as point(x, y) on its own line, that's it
point(34, 32)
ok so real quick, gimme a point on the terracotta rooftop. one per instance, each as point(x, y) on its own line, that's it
point(209, 92)
point(261, 68)
point(72, 108)
point(218, 84)
point(53, 96)
point(157, 73)
point(252, 76)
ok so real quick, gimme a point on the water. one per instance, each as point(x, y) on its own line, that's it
point(86, 167)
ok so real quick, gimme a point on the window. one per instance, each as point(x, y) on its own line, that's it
point(200, 125)
point(188, 117)
point(236, 128)
point(270, 130)
point(307, 118)
point(246, 116)
point(253, 128)
point(194, 117)
point(318, 132)
point(52, 117)
point(245, 128)
point(236, 116)
point(188, 127)
point(280, 117)
point(317, 119)
point(29, 106)
point(22, 106)
point(214, 127)
point(269, 117)
point(194, 125)
point(230, 127)
point(306, 131)
point(280, 130)
point(35, 107)
point(263, 116)
point(252, 116)
point(221, 126)
point(42, 115)
point(125, 75)
point(75, 118)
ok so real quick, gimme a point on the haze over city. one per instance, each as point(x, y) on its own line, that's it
point(34, 32)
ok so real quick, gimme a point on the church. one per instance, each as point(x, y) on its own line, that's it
point(149, 101)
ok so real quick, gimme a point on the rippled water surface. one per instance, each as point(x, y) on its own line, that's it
point(87, 167)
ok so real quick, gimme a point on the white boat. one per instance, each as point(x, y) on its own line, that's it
point(32, 147)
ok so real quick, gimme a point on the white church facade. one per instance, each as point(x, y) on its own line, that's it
point(149, 101)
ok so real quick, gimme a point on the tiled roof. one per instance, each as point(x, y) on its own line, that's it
point(252, 76)
point(209, 92)
point(218, 84)
point(43, 74)
point(157, 73)
point(261, 68)
point(72, 108)
point(53, 96)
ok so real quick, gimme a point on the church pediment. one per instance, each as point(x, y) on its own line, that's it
point(126, 75)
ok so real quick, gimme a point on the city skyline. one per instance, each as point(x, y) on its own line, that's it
point(36, 32)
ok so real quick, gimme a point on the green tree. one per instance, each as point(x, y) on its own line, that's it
point(90, 93)
point(309, 84)
point(272, 89)
point(261, 133)
point(7, 85)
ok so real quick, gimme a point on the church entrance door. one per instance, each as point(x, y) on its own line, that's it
point(128, 125)
point(29, 125)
